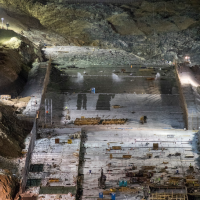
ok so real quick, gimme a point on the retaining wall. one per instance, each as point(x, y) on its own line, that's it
point(182, 98)
point(34, 133)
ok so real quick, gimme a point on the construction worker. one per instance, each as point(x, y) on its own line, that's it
point(143, 119)
point(159, 179)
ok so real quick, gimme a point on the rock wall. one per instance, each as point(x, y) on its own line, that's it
point(153, 30)
point(12, 132)
point(16, 55)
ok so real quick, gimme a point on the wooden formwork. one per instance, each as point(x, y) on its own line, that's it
point(87, 121)
point(113, 121)
point(116, 148)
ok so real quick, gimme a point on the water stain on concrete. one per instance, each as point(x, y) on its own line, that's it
point(103, 102)
point(82, 102)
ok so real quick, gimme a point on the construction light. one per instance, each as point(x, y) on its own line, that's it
point(187, 58)
point(2, 22)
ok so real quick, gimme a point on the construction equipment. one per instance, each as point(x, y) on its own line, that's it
point(76, 135)
point(150, 79)
point(53, 180)
point(69, 141)
point(106, 192)
point(174, 180)
point(116, 148)
point(113, 121)
point(139, 180)
point(24, 151)
point(188, 181)
point(146, 168)
point(102, 180)
point(155, 146)
point(149, 155)
point(143, 119)
point(128, 190)
point(116, 106)
point(87, 121)
point(57, 140)
point(127, 156)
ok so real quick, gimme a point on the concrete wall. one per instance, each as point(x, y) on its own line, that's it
point(46, 81)
point(28, 156)
point(182, 98)
point(34, 133)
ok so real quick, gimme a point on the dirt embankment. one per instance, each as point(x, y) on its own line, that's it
point(8, 187)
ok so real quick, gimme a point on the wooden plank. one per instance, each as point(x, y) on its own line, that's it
point(127, 156)
point(116, 147)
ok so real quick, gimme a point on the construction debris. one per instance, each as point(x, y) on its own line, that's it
point(87, 121)
point(113, 121)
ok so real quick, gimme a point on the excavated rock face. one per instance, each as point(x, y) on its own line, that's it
point(154, 30)
point(16, 54)
point(7, 187)
point(12, 133)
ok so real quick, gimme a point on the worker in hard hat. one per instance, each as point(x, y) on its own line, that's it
point(66, 108)
point(143, 119)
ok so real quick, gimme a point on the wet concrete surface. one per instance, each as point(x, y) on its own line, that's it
point(103, 102)
point(110, 79)
point(157, 99)
point(82, 101)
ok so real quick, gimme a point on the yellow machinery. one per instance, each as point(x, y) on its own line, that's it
point(143, 119)
point(113, 121)
point(54, 180)
point(116, 148)
point(116, 106)
point(192, 181)
point(127, 190)
point(96, 121)
point(127, 156)
point(87, 121)
point(69, 141)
